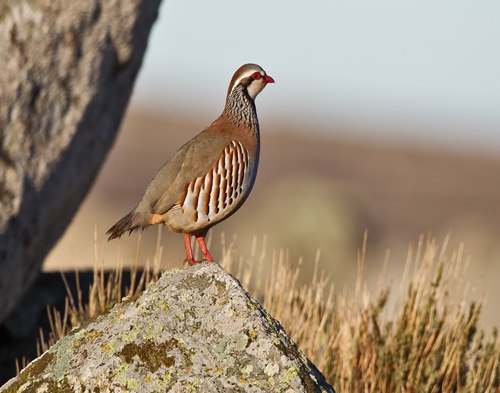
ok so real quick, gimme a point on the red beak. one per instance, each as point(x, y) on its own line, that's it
point(268, 79)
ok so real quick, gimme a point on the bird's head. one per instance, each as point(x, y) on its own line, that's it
point(251, 78)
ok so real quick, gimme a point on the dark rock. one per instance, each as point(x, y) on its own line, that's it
point(67, 71)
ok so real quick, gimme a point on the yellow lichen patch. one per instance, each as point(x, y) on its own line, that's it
point(93, 334)
point(131, 335)
point(148, 334)
point(78, 337)
point(124, 367)
point(151, 355)
point(291, 373)
point(218, 372)
point(247, 370)
point(163, 305)
point(271, 369)
point(131, 384)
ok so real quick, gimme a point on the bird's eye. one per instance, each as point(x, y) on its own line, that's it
point(256, 75)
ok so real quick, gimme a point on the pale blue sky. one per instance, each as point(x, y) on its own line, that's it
point(387, 71)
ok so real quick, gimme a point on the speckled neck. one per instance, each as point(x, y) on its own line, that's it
point(241, 108)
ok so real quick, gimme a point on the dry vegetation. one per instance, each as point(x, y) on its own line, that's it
point(429, 340)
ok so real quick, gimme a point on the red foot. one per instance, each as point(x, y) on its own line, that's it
point(193, 261)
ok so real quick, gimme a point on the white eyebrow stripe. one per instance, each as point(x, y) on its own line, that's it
point(245, 75)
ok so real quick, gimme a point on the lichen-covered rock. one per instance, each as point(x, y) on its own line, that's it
point(193, 330)
point(67, 69)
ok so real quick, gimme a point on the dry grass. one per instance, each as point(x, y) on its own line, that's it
point(104, 293)
point(429, 341)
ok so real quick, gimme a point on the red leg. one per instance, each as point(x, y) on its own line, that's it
point(189, 250)
point(200, 238)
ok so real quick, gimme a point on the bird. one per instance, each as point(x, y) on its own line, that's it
point(208, 178)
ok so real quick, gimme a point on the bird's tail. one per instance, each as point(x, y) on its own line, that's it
point(127, 223)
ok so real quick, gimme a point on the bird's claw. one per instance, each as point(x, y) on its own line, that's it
point(192, 262)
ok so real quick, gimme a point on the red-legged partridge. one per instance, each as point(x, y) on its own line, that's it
point(208, 178)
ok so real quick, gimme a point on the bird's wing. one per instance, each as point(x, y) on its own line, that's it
point(191, 161)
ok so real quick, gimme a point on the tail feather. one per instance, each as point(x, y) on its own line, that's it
point(125, 224)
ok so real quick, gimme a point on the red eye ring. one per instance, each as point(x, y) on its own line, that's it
point(256, 75)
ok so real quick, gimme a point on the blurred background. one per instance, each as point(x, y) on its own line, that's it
point(384, 117)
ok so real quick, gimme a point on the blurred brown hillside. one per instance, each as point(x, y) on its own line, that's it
point(310, 193)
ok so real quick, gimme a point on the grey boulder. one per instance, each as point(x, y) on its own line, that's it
point(193, 330)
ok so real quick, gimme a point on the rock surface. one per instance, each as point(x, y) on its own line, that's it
point(67, 71)
point(193, 330)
